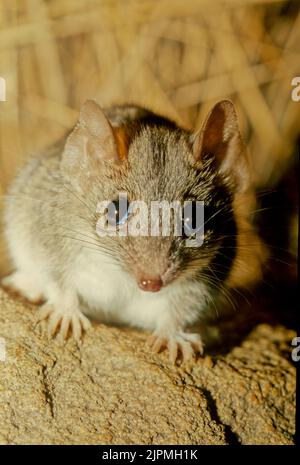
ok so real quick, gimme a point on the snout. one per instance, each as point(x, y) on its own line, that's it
point(150, 284)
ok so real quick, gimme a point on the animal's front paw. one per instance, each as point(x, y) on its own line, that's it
point(186, 345)
point(63, 322)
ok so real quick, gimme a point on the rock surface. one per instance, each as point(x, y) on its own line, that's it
point(110, 390)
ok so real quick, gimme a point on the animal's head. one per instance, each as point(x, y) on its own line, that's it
point(160, 163)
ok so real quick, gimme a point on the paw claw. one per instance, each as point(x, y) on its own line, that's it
point(185, 344)
point(60, 323)
point(76, 328)
point(64, 329)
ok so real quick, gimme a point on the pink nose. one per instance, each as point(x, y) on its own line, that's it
point(151, 284)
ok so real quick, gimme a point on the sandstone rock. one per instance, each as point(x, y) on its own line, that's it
point(110, 390)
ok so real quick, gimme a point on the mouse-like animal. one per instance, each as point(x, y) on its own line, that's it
point(157, 282)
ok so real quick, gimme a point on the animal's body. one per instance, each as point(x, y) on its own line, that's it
point(156, 283)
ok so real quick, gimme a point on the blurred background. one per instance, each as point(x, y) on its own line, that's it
point(175, 57)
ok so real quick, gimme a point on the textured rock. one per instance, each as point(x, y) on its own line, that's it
point(110, 390)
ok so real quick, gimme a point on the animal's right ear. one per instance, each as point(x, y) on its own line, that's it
point(91, 142)
point(220, 143)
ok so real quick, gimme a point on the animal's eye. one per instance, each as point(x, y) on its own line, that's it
point(193, 219)
point(117, 212)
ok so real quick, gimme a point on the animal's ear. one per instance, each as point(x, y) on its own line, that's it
point(91, 141)
point(220, 143)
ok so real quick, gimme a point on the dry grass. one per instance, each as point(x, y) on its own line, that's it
point(176, 57)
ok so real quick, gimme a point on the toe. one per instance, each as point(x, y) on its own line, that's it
point(76, 328)
point(198, 347)
point(187, 351)
point(54, 321)
point(158, 344)
point(194, 340)
point(85, 322)
point(64, 327)
point(173, 350)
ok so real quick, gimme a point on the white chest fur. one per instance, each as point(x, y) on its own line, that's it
point(113, 295)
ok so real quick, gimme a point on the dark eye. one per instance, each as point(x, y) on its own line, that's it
point(193, 219)
point(117, 212)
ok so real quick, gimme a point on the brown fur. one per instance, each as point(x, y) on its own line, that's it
point(122, 140)
point(251, 251)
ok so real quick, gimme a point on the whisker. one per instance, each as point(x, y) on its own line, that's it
point(98, 252)
point(79, 199)
point(97, 246)
point(97, 243)
point(216, 284)
point(216, 213)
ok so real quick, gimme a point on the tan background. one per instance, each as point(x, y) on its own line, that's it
point(176, 57)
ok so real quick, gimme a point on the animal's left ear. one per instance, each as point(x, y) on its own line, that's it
point(220, 142)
